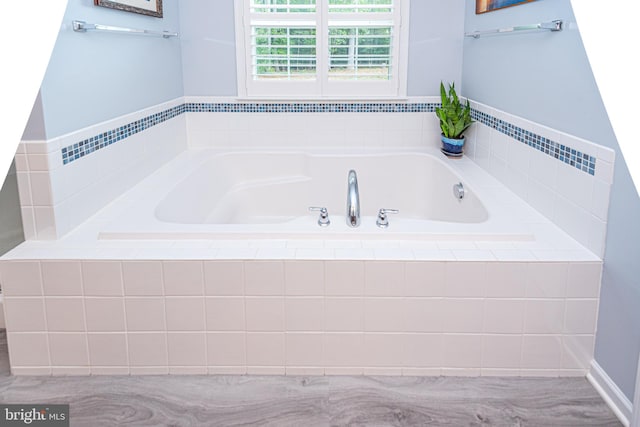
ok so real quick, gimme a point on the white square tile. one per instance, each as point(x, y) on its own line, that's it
point(600, 201)
point(149, 370)
point(384, 350)
point(109, 370)
point(506, 279)
point(21, 278)
point(344, 314)
point(46, 225)
point(304, 349)
point(65, 314)
point(504, 316)
point(183, 278)
point(185, 313)
point(147, 349)
point(463, 315)
point(307, 371)
point(344, 278)
point(24, 314)
point(501, 351)
point(544, 169)
point(384, 278)
point(577, 351)
point(224, 278)
point(264, 277)
point(226, 349)
point(304, 314)
point(465, 279)
point(575, 185)
point(105, 314)
point(421, 372)
point(28, 222)
point(316, 253)
point(30, 349)
point(225, 313)
point(62, 277)
point(188, 370)
point(102, 278)
point(423, 350)
point(37, 162)
point(462, 351)
point(187, 349)
point(68, 349)
point(343, 349)
point(264, 313)
point(424, 314)
point(424, 279)
point(541, 351)
point(24, 188)
point(304, 278)
point(544, 316)
point(145, 314)
point(584, 280)
point(384, 314)
point(108, 350)
point(142, 278)
point(40, 189)
point(546, 280)
point(265, 349)
point(581, 316)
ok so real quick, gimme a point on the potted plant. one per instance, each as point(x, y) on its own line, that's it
point(455, 118)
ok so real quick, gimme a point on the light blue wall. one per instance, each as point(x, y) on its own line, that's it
point(35, 129)
point(94, 77)
point(209, 57)
point(208, 47)
point(546, 77)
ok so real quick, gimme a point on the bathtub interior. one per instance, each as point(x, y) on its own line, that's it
point(209, 194)
point(267, 187)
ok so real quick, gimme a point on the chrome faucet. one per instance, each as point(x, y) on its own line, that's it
point(353, 200)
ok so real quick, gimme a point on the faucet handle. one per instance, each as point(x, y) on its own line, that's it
point(323, 219)
point(383, 221)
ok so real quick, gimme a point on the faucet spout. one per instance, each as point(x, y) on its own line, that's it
point(353, 200)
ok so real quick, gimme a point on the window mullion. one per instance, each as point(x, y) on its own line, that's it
point(322, 44)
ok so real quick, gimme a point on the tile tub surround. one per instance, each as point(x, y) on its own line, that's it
point(104, 160)
point(57, 195)
point(80, 305)
point(300, 317)
point(531, 160)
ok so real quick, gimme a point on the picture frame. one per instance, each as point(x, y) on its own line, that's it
point(484, 6)
point(144, 7)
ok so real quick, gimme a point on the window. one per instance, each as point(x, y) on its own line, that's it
point(321, 48)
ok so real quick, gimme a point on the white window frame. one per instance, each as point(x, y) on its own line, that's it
point(322, 87)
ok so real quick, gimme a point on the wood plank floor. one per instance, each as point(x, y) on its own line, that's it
point(311, 401)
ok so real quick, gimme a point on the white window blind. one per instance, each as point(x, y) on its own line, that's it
point(334, 48)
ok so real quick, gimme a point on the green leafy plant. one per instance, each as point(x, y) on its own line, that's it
point(454, 117)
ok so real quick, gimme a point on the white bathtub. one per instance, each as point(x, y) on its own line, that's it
point(205, 194)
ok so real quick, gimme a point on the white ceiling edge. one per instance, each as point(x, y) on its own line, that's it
point(610, 38)
point(28, 32)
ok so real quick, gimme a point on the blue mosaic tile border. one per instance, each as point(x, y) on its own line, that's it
point(568, 155)
point(312, 107)
point(87, 146)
